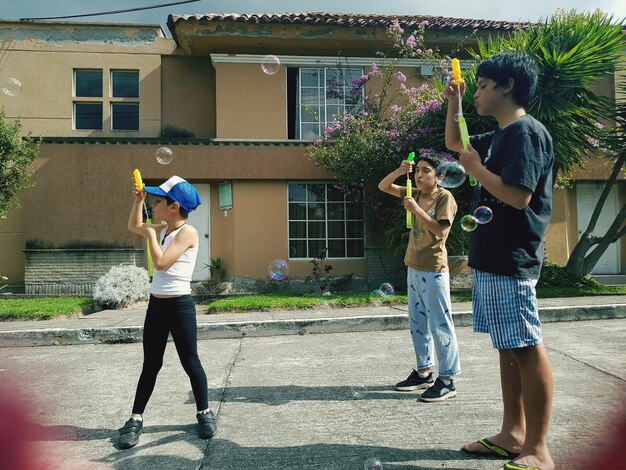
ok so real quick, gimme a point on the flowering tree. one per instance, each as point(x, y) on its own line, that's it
point(363, 146)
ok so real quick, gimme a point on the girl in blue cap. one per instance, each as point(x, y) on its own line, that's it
point(173, 248)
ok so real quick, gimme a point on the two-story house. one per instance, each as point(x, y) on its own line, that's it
point(106, 97)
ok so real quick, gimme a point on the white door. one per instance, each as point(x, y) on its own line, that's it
point(200, 219)
point(587, 195)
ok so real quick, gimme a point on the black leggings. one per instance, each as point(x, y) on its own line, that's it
point(178, 316)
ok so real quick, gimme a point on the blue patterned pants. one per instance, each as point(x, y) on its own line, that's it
point(430, 321)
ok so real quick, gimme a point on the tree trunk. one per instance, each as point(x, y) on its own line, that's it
point(580, 261)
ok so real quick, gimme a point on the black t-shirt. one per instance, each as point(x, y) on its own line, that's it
point(511, 244)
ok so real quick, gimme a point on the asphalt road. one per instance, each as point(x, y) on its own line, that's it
point(286, 402)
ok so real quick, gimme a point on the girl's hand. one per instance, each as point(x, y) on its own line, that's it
point(137, 193)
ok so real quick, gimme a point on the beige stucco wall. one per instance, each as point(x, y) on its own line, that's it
point(12, 242)
point(188, 94)
point(72, 201)
point(250, 104)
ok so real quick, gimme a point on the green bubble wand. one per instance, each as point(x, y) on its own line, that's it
point(456, 75)
point(409, 191)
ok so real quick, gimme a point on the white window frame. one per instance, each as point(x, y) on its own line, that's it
point(326, 238)
point(325, 118)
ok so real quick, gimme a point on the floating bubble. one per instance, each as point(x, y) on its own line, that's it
point(11, 86)
point(450, 174)
point(270, 64)
point(164, 155)
point(469, 223)
point(358, 391)
point(387, 289)
point(373, 463)
point(483, 214)
point(457, 117)
point(278, 270)
point(377, 297)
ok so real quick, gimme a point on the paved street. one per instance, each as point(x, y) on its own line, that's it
point(285, 402)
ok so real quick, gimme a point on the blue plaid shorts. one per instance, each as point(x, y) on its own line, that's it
point(506, 308)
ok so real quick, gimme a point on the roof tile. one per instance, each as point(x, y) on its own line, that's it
point(349, 20)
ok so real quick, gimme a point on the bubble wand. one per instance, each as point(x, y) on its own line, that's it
point(409, 191)
point(139, 183)
point(456, 75)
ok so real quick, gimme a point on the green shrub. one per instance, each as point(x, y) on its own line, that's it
point(553, 275)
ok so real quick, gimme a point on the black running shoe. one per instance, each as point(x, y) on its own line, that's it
point(207, 424)
point(415, 382)
point(129, 434)
point(439, 391)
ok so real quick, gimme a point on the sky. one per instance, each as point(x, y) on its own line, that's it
point(510, 10)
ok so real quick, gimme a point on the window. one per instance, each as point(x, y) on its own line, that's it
point(321, 94)
point(88, 83)
point(124, 116)
point(323, 215)
point(88, 116)
point(125, 83)
point(121, 103)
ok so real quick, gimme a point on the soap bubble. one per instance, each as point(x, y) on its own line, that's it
point(373, 463)
point(450, 174)
point(469, 223)
point(358, 391)
point(457, 117)
point(270, 64)
point(11, 86)
point(278, 270)
point(164, 155)
point(483, 214)
point(387, 289)
point(376, 297)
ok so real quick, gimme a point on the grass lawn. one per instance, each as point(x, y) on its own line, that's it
point(288, 301)
point(48, 308)
point(44, 309)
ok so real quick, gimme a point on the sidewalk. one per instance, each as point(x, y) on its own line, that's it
point(125, 326)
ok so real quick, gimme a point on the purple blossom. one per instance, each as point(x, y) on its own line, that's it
point(423, 24)
point(394, 108)
point(400, 77)
point(410, 41)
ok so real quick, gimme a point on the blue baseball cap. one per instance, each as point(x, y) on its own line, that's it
point(181, 191)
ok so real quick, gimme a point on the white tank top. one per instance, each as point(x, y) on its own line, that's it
point(175, 280)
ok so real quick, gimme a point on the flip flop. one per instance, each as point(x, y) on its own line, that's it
point(493, 450)
point(517, 466)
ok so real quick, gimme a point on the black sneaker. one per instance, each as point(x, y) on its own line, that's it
point(207, 424)
point(439, 391)
point(129, 434)
point(415, 382)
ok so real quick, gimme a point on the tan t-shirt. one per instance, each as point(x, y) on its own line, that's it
point(425, 251)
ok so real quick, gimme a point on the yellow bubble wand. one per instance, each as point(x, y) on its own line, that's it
point(456, 76)
point(409, 192)
point(139, 183)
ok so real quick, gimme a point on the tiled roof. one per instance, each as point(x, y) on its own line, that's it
point(348, 20)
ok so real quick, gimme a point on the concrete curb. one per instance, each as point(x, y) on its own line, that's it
point(258, 328)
